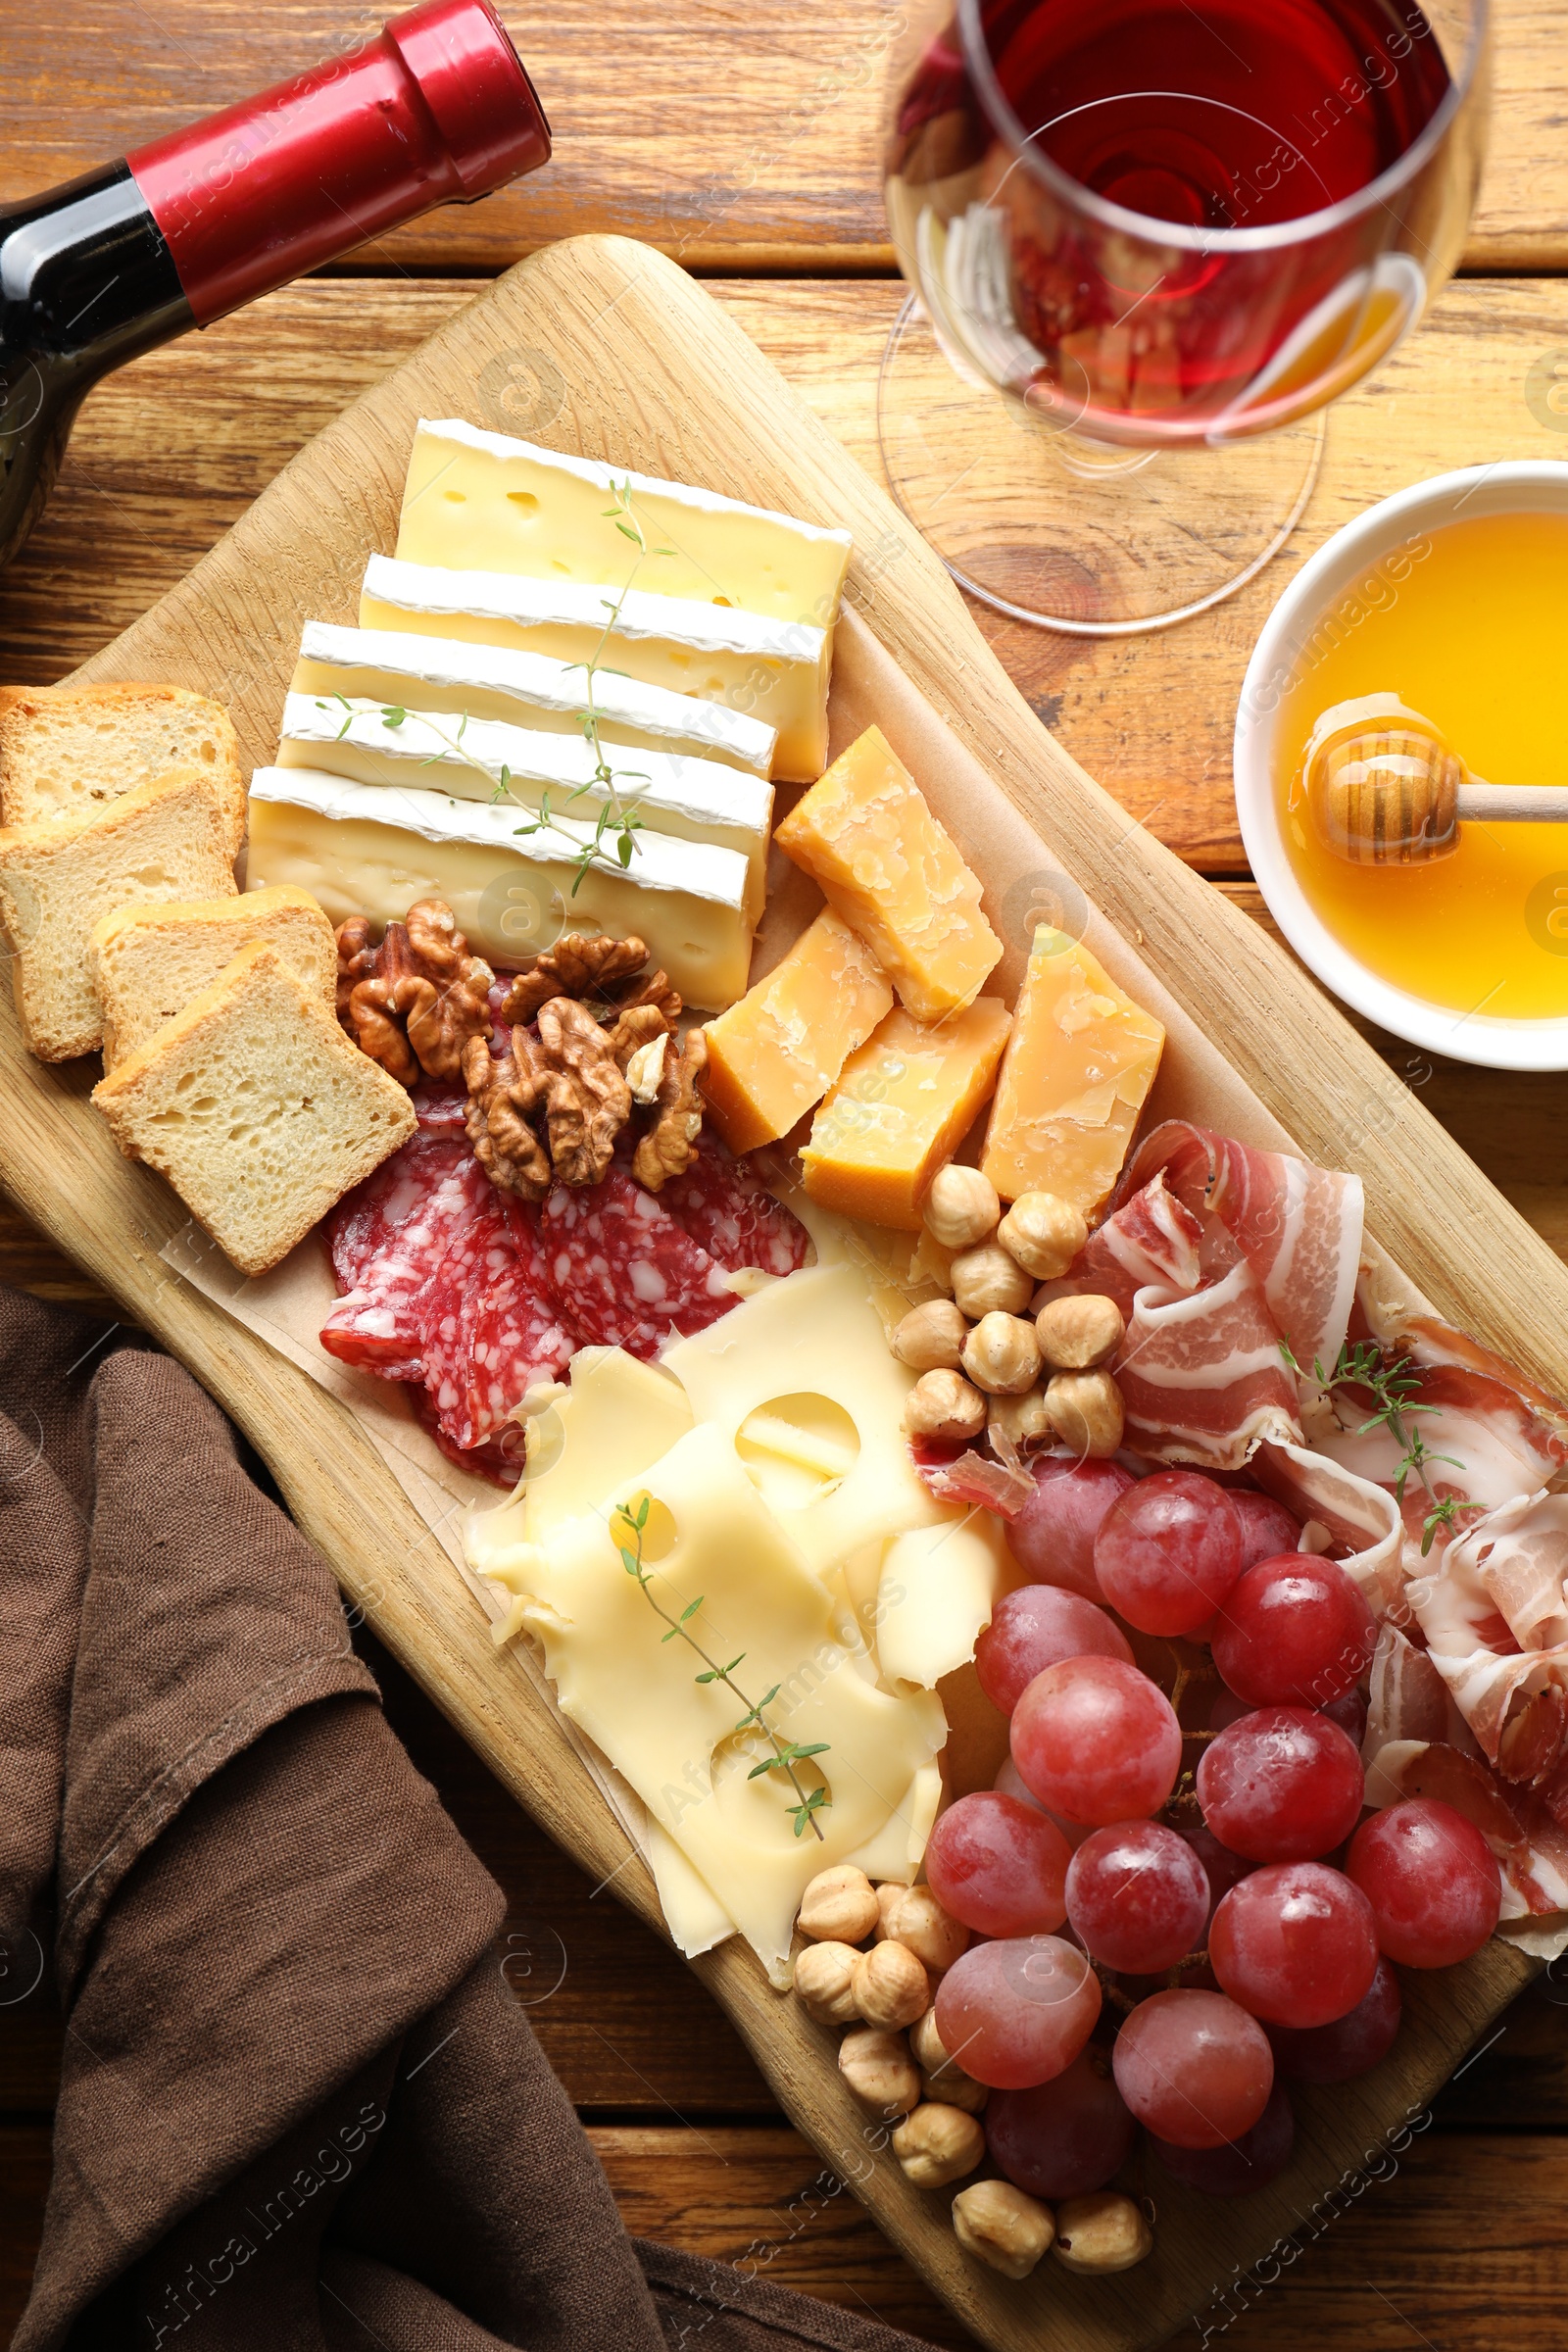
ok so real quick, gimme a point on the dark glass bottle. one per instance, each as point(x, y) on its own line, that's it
point(436, 108)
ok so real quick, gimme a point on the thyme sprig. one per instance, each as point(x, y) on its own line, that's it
point(787, 1753)
point(1393, 1387)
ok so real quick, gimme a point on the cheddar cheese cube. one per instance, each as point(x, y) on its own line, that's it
point(775, 1054)
point(901, 1108)
point(1077, 1072)
point(887, 867)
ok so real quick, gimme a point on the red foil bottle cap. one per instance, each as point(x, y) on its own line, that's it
point(437, 106)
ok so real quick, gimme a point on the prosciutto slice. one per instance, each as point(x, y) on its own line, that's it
point(1152, 1241)
point(1202, 1376)
point(1493, 1615)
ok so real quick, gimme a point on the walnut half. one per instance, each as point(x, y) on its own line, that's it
point(413, 1002)
point(666, 1149)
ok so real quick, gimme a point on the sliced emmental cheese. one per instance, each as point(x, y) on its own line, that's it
point(895, 875)
point(397, 670)
point(773, 1056)
point(523, 769)
point(902, 1106)
point(1074, 1079)
point(367, 850)
point(483, 501)
point(775, 673)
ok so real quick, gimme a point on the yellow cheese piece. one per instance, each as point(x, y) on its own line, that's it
point(902, 1106)
point(712, 1541)
point(886, 866)
point(776, 1052)
point(937, 1589)
point(1074, 1079)
point(483, 502)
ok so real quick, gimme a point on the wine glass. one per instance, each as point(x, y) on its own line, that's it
point(1149, 241)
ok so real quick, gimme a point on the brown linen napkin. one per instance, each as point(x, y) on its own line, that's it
point(300, 2110)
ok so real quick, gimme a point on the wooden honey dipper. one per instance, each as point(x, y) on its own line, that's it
point(1385, 788)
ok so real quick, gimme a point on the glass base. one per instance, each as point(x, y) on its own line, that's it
point(1072, 535)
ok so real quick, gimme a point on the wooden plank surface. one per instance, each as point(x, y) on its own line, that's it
point(735, 136)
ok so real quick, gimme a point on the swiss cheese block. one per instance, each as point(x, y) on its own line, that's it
point(522, 769)
point(1074, 1079)
point(774, 672)
point(902, 1106)
point(390, 669)
point(886, 866)
point(775, 1054)
point(483, 502)
point(367, 850)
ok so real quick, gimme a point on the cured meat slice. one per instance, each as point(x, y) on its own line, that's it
point(389, 1246)
point(1200, 1374)
point(1152, 1239)
point(629, 1275)
point(440, 1109)
point(725, 1207)
point(513, 1335)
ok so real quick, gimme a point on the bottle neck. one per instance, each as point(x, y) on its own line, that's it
point(86, 281)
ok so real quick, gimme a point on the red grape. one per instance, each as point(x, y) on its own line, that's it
point(1294, 1630)
point(1169, 1551)
point(998, 1866)
point(1017, 2011)
point(1296, 1945)
point(1010, 1782)
point(1283, 1784)
point(1037, 1627)
point(1063, 2138)
point(1052, 1537)
point(1250, 2162)
point(1137, 1897)
point(1194, 2067)
point(1097, 1741)
point(1431, 1878)
point(1267, 1527)
point(1221, 1867)
point(1350, 2045)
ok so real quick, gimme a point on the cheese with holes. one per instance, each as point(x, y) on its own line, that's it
point(773, 672)
point(367, 850)
point(391, 670)
point(893, 873)
point(901, 1108)
point(1074, 1079)
point(483, 501)
point(531, 772)
point(775, 1054)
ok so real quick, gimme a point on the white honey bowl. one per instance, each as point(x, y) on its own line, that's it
point(1529, 486)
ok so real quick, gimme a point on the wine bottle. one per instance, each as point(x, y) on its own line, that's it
point(436, 108)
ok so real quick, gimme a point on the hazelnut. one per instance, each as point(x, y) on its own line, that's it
point(839, 1905)
point(1076, 1333)
point(931, 1337)
point(937, 2145)
point(1022, 1420)
point(880, 2072)
point(1100, 2232)
point(1085, 1409)
point(988, 1281)
point(942, 1404)
point(889, 1894)
point(941, 2078)
point(891, 1987)
point(917, 1920)
point(824, 1979)
point(962, 1207)
point(930, 2050)
point(1001, 2225)
point(1044, 1234)
point(1002, 1355)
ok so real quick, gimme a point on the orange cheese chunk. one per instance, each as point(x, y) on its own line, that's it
point(904, 1102)
point(890, 870)
point(776, 1052)
point(1076, 1075)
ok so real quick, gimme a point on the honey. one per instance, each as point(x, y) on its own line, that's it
point(1466, 624)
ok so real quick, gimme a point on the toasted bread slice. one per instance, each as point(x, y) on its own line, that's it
point(66, 751)
point(256, 1107)
point(150, 961)
point(164, 840)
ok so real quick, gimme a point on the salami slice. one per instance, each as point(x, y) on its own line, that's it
point(390, 1248)
point(514, 1334)
point(440, 1109)
point(629, 1275)
point(725, 1207)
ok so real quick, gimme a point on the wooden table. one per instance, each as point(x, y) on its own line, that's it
point(745, 142)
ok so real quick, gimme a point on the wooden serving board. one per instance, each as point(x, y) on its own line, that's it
point(629, 360)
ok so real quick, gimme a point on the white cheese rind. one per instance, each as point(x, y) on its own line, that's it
point(478, 760)
point(361, 849)
point(490, 502)
point(776, 671)
point(389, 667)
